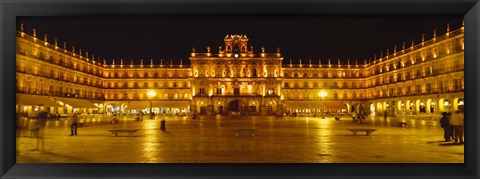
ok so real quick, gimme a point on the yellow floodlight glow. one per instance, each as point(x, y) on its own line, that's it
point(151, 93)
point(322, 94)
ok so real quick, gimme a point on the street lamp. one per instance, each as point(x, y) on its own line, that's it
point(322, 94)
point(150, 95)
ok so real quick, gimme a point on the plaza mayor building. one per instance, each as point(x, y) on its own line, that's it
point(426, 77)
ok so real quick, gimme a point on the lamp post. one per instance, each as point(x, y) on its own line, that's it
point(150, 95)
point(322, 94)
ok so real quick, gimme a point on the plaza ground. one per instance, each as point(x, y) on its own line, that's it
point(263, 140)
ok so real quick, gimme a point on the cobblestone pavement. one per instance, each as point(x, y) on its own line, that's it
point(246, 140)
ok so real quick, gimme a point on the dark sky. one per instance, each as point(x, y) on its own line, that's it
point(299, 37)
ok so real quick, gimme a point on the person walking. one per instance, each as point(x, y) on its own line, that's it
point(162, 124)
point(39, 131)
point(74, 125)
point(354, 116)
point(457, 122)
point(449, 115)
point(445, 124)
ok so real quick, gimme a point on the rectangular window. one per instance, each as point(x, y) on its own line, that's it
point(270, 92)
point(286, 85)
point(202, 90)
point(236, 91)
point(219, 90)
point(50, 90)
point(254, 73)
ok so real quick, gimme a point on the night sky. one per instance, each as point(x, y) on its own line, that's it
point(299, 37)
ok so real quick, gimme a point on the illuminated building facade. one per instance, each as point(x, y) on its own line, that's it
point(427, 77)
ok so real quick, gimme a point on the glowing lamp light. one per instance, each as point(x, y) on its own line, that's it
point(151, 93)
point(445, 103)
point(433, 103)
point(322, 94)
point(236, 55)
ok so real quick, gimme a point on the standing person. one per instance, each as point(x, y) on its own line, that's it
point(74, 125)
point(354, 116)
point(457, 122)
point(39, 131)
point(449, 115)
point(385, 115)
point(445, 124)
point(162, 124)
point(194, 116)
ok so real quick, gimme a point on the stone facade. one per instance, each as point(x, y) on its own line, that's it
point(427, 77)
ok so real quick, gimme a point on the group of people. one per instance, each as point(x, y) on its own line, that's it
point(359, 117)
point(49, 116)
point(452, 124)
point(36, 128)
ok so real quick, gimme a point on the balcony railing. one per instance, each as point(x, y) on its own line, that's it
point(36, 91)
point(420, 92)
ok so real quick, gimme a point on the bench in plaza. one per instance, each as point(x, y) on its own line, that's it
point(402, 124)
point(251, 132)
point(116, 131)
point(367, 131)
point(235, 114)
